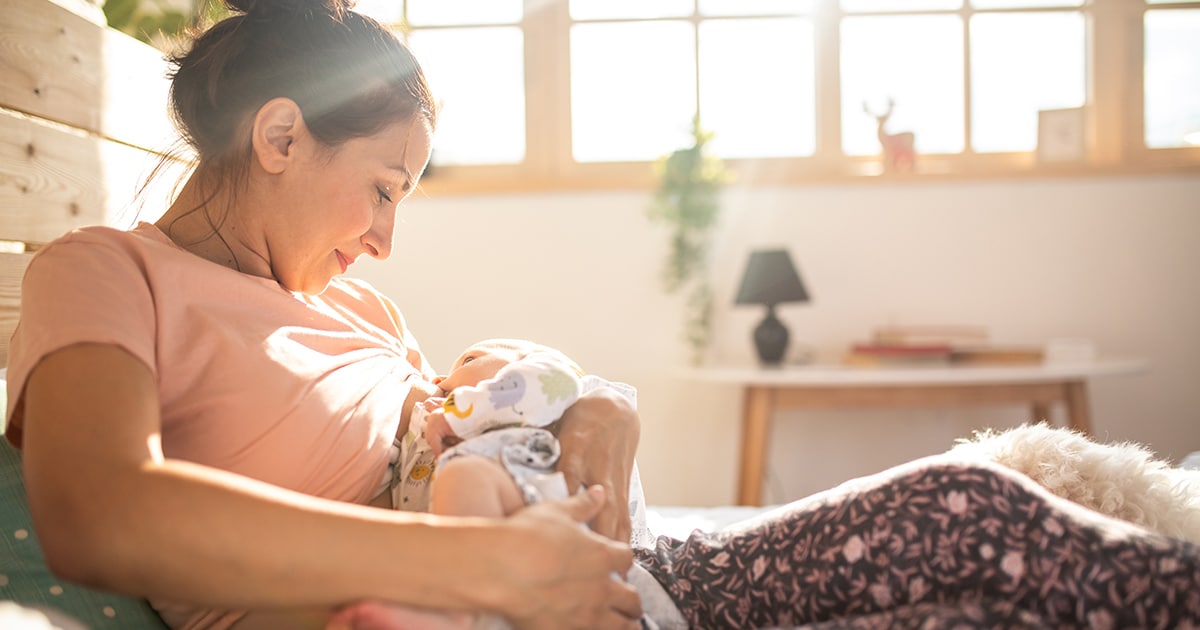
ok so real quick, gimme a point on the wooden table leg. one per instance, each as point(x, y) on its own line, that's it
point(1041, 413)
point(1079, 416)
point(756, 418)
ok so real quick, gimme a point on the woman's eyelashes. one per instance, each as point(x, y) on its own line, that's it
point(383, 195)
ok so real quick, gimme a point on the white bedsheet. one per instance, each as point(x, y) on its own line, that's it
point(680, 521)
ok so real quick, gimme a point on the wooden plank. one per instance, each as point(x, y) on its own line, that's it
point(58, 65)
point(92, 10)
point(12, 268)
point(53, 179)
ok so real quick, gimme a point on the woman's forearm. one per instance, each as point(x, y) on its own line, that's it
point(112, 512)
point(180, 532)
point(225, 542)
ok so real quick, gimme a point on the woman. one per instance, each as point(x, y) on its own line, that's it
point(224, 399)
point(214, 385)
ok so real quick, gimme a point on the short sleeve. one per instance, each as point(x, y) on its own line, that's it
point(79, 289)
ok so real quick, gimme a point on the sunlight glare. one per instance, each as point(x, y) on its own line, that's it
point(633, 89)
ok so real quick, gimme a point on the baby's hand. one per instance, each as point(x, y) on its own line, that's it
point(438, 433)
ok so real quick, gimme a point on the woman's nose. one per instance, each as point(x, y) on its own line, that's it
point(378, 240)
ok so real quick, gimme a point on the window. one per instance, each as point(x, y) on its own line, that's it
point(585, 93)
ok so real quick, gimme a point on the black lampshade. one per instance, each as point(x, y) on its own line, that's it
point(771, 279)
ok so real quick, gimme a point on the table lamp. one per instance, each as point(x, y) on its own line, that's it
point(771, 279)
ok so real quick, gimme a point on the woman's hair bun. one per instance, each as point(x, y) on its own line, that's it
point(270, 8)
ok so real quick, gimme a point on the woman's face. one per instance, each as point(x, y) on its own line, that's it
point(341, 204)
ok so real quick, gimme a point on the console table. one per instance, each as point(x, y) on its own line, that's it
point(767, 390)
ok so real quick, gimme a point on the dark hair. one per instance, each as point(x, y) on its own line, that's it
point(350, 76)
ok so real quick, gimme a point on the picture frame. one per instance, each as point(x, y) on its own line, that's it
point(1062, 135)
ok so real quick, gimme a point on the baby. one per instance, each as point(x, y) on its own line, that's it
point(485, 448)
point(502, 400)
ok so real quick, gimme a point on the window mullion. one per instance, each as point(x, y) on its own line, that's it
point(965, 13)
point(827, 33)
point(547, 88)
point(1110, 73)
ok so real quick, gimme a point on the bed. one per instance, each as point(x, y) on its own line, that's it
point(82, 121)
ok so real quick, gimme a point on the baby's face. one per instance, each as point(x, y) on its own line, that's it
point(480, 362)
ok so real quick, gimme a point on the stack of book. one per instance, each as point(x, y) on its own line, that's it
point(937, 345)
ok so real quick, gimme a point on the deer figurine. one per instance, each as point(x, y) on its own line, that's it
point(898, 148)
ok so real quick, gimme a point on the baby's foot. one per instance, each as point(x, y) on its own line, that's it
point(374, 615)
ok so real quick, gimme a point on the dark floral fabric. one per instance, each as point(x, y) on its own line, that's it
point(932, 544)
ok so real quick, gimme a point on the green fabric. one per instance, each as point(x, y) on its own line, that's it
point(24, 578)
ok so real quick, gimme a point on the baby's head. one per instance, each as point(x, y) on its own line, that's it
point(484, 359)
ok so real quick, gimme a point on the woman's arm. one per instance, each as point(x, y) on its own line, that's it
point(112, 512)
point(599, 437)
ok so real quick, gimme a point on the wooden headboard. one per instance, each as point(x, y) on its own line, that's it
point(83, 120)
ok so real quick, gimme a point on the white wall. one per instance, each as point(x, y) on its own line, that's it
point(1116, 260)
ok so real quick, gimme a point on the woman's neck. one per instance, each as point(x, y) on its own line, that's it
point(205, 220)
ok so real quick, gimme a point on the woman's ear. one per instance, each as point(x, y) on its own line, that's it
point(277, 126)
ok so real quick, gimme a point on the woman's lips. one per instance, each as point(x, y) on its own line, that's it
point(345, 262)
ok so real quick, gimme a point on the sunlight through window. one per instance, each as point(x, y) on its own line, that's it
point(1009, 84)
point(1172, 74)
point(633, 89)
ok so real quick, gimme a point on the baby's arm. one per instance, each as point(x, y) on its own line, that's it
point(438, 433)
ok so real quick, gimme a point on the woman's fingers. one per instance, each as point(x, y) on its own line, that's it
point(584, 506)
point(574, 575)
point(626, 601)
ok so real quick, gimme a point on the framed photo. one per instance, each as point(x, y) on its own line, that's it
point(1062, 135)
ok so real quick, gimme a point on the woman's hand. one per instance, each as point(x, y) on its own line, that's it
point(569, 577)
point(599, 436)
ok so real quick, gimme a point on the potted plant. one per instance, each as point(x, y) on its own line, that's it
point(687, 201)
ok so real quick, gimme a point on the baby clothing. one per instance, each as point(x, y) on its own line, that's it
point(499, 418)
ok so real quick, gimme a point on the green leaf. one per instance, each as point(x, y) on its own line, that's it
point(119, 13)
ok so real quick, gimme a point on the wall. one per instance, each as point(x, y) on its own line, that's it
point(1113, 259)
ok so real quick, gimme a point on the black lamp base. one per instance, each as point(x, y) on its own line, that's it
point(771, 339)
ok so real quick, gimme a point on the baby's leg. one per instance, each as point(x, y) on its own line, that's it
point(364, 615)
point(474, 486)
point(469, 485)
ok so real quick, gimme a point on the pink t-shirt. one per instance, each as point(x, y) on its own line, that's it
point(304, 392)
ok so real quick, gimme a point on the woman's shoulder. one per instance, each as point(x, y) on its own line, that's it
point(100, 240)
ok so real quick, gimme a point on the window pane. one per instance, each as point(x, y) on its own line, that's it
point(1009, 84)
point(617, 9)
point(386, 11)
point(1172, 78)
point(755, 7)
point(453, 12)
point(636, 100)
point(915, 60)
point(757, 89)
point(1024, 4)
point(852, 6)
point(477, 76)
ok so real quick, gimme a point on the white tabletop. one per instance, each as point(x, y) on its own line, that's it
point(846, 375)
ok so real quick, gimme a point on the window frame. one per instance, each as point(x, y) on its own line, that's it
point(1115, 123)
